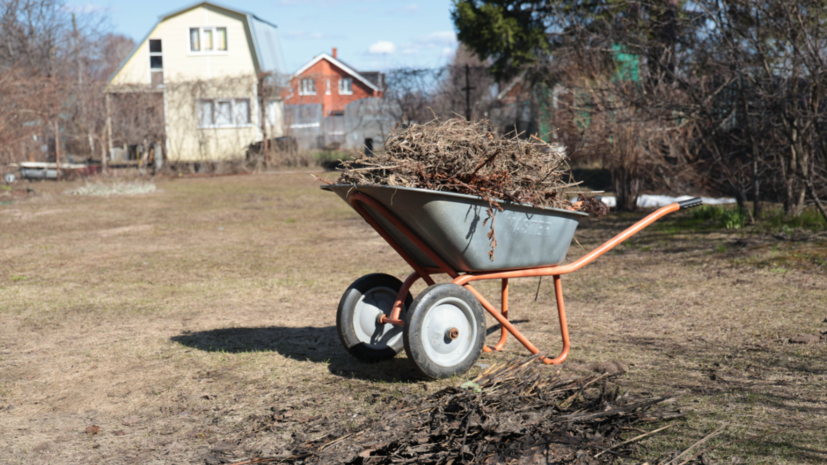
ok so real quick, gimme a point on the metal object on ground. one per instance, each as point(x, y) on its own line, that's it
point(426, 229)
point(47, 170)
point(444, 331)
point(360, 313)
point(452, 225)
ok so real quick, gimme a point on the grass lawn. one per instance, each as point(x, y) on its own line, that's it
point(176, 320)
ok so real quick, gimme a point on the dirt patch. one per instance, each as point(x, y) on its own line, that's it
point(610, 368)
point(806, 339)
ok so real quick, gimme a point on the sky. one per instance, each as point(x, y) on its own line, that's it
point(370, 35)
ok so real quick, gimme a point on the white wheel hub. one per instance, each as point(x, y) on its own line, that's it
point(374, 303)
point(449, 329)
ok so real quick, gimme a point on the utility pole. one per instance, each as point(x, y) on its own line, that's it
point(467, 89)
point(262, 90)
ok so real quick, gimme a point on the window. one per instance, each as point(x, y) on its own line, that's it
point(224, 113)
point(195, 40)
point(307, 87)
point(208, 39)
point(345, 86)
point(156, 63)
point(327, 88)
point(241, 111)
point(205, 118)
point(221, 39)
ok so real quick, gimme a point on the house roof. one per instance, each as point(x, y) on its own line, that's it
point(266, 47)
point(511, 85)
point(339, 64)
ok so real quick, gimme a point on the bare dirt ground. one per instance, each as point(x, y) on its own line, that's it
point(177, 321)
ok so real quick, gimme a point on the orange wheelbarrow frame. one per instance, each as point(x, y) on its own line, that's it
point(358, 200)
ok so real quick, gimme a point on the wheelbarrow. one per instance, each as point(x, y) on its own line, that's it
point(443, 330)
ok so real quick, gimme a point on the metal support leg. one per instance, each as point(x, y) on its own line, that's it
point(400, 301)
point(503, 331)
point(561, 311)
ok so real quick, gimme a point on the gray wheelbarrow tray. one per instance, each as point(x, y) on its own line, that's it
point(452, 225)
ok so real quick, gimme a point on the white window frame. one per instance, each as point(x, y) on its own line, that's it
point(327, 87)
point(232, 101)
point(155, 54)
point(342, 90)
point(303, 90)
point(201, 30)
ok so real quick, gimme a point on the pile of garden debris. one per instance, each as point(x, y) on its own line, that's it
point(470, 158)
point(520, 411)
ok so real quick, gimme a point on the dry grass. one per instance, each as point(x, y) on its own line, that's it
point(179, 316)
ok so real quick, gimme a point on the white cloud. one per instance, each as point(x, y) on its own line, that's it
point(304, 35)
point(382, 47)
point(443, 44)
point(438, 39)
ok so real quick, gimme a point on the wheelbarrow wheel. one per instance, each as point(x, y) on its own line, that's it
point(357, 319)
point(444, 331)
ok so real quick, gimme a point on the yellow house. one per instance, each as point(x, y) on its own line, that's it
point(211, 64)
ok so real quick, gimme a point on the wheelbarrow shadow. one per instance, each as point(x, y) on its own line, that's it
point(307, 344)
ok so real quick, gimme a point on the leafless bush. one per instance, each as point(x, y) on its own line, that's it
point(52, 66)
point(733, 90)
point(418, 95)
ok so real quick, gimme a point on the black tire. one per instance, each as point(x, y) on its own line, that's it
point(358, 309)
point(435, 312)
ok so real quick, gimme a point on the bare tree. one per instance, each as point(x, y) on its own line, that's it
point(53, 64)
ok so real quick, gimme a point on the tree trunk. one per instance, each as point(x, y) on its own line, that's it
point(627, 189)
point(788, 175)
point(756, 203)
point(754, 149)
point(109, 143)
point(816, 200)
point(103, 154)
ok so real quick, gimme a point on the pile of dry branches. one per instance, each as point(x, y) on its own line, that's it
point(518, 411)
point(470, 158)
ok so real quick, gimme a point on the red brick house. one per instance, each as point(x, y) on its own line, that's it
point(328, 81)
point(318, 95)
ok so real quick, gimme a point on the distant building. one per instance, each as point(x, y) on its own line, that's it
point(518, 107)
point(204, 62)
point(318, 96)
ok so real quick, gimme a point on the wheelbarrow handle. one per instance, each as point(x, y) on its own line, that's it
point(585, 259)
point(690, 203)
